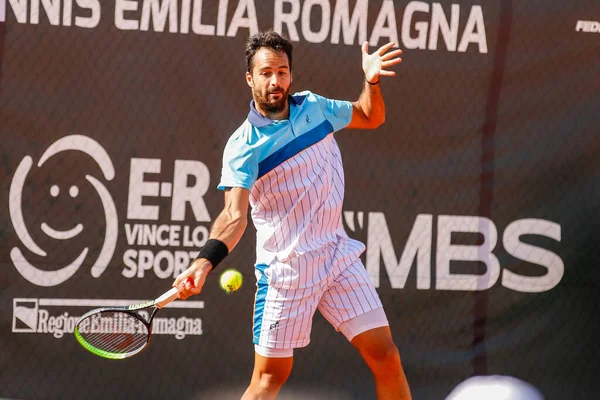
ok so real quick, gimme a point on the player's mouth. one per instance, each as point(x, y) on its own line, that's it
point(61, 235)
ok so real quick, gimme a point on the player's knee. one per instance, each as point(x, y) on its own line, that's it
point(384, 359)
point(269, 382)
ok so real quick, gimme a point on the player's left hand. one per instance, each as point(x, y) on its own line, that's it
point(376, 64)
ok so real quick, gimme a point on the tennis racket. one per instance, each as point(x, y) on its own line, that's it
point(119, 332)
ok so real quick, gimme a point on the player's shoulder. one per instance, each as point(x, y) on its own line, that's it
point(306, 96)
point(242, 135)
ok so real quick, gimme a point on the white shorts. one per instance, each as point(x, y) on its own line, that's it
point(283, 317)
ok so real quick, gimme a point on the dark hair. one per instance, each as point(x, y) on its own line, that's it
point(270, 40)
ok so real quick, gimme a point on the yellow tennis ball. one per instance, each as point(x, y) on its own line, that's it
point(231, 280)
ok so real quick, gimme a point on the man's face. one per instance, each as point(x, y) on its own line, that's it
point(270, 80)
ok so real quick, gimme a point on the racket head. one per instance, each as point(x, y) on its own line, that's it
point(113, 333)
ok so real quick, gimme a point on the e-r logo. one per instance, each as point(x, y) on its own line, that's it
point(178, 190)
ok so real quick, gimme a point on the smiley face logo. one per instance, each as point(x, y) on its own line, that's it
point(36, 275)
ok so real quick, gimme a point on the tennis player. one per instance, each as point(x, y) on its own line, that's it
point(284, 162)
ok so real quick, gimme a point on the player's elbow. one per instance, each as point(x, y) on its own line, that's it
point(375, 121)
point(380, 120)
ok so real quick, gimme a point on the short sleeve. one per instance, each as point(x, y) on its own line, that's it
point(337, 112)
point(240, 165)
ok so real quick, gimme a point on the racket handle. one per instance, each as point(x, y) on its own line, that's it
point(166, 298)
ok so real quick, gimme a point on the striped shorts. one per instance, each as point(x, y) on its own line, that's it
point(283, 316)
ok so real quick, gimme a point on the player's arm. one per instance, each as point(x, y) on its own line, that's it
point(368, 112)
point(227, 229)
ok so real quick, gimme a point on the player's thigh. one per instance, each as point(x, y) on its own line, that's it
point(352, 302)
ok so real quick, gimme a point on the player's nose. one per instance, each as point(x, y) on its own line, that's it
point(275, 81)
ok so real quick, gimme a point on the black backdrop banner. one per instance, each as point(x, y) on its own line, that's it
point(477, 199)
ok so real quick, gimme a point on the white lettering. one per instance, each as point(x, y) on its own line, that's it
point(42, 325)
point(474, 31)
point(418, 245)
point(447, 252)
point(289, 19)
point(148, 236)
point(120, 22)
point(238, 20)
point(197, 26)
point(321, 35)
point(342, 24)
point(129, 261)
point(51, 7)
point(19, 8)
point(159, 10)
point(93, 20)
point(146, 257)
point(159, 235)
point(221, 16)
point(588, 26)
point(168, 271)
point(67, 12)
point(532, 254)
point(440, 23)
point(193, 195)
point(138, 188)
point(174, 235)
point(420, 41)
point(386, 14)
point(165, 264)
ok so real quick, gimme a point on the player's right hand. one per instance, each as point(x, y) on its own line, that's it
point(191, 281)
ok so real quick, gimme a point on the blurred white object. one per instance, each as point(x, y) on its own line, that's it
point(495, 387)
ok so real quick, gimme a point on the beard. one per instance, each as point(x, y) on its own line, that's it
point(271, 106)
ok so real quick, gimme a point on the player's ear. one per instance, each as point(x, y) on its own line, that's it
point(249, 80)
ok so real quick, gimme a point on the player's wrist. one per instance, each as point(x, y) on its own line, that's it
point(213, 252)
point(374, 83)
point(203, 265)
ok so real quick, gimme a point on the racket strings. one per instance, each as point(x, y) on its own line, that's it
point(114, 332)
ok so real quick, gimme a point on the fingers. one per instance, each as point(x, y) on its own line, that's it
point(187, 288)
point(391, 55)
point(387, 64)
point(182, 277)
point(365, 48)
point(383, 49)
point(185, 284)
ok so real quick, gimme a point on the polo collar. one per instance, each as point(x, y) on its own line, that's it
point(260, 121)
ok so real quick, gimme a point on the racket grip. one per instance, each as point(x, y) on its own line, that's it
point(166, 298)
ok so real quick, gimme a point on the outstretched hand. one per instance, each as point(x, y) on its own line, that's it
point(376, 64)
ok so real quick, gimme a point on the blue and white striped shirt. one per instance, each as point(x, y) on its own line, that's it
point(293, 169)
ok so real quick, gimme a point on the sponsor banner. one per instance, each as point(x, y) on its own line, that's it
point(164, 250)
point(48, 316)
point(476, 200)
point(417, 25)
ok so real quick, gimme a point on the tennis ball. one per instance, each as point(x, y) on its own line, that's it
point(231, 280)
